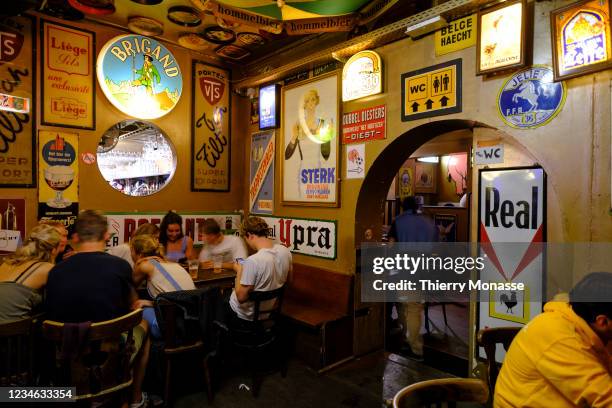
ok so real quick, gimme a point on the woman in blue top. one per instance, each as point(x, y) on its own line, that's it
point(178, 247)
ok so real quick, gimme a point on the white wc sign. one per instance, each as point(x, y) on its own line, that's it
point(489, 154)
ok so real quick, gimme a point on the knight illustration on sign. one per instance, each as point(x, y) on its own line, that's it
point(148, 74)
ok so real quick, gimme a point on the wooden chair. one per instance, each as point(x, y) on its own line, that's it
point(255, 339)
point(174, 346)
point(16, 353)
point(489, 339)
point(446, 392)
point(100, 365)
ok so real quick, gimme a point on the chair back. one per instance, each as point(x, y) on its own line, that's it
point(100, 362)
point(270, 311)
point(446, 392)
point(186, 317)
point(16, 353)
point(489, 339)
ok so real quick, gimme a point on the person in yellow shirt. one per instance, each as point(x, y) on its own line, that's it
point(561, 358)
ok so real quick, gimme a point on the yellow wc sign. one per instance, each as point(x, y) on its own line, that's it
point(432, 91)
point(457, 35)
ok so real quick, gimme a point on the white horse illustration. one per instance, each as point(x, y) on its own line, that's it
point(528, 92)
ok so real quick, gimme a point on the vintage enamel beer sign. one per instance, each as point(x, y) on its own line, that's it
point(139, 76)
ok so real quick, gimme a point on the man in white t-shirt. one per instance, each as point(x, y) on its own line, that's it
point(268, 269)
point(227, 247)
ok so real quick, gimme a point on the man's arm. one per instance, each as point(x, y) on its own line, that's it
point(577, 374)
point(242, 291)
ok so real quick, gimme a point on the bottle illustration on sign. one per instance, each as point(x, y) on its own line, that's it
point(9, 217)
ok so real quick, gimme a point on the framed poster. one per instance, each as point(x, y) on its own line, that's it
point(501, 39)
point(581, 38)
point(17, 74)
point(310, 142)
point(447, 227)
point(68, 91)
point(210, 128)
point(511, 233)
point(58, 173)
point(425, 177)
point(12, 223)
point(269, 97)
point(261, 188)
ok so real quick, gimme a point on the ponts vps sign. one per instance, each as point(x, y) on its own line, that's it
point(139, 76)
point(512, 228)
point(303, 236)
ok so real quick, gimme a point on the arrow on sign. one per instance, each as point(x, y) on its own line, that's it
point(443, 101)
point(429, 103)
point(415, 107)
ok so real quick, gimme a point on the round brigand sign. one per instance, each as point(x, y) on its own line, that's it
point(530, 98)
point(139, 76)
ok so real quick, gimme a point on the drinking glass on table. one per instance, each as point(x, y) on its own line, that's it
point(193, 268)
point(217, 263)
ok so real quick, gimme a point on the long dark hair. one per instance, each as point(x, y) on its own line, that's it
point(170, 218)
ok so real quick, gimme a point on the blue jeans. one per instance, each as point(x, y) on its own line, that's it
point(148, 313)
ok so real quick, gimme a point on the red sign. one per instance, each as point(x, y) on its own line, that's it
point(10, 45)
point(364, 125)
point(212, 89)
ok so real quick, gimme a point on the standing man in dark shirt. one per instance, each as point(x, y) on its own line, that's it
point(412, 226)
point(95, 286)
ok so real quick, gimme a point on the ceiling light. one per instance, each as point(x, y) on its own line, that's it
point(426, 26)
point(429, 159)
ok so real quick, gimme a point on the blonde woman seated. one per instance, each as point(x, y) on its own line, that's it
point(23, 274)
point(161, 276)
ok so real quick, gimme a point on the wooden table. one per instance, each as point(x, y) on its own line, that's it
point(206, 277)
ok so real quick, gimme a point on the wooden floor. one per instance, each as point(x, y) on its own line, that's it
point(363, 382)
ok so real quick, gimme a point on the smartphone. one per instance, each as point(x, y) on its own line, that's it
point(240, 260)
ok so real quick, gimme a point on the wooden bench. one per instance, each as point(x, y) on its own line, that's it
point(319, 303)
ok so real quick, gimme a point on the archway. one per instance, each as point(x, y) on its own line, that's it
point(371, 199)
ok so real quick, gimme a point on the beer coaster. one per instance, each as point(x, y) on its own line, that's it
point(250, 39)
point(232, 51)
point(194, 41)
point(145, 26)
point(219, 35)
point(184, 16)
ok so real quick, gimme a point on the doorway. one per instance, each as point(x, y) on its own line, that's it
point(431, 162)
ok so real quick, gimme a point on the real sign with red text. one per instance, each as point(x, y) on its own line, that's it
point(17, 140)
point(210, 140)
point(67, 77)
point(261, 189)
point(512, 228)
point(303, 236)
point(364, 125)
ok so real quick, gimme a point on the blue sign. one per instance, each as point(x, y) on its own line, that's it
point(58, 152)
point(268, 115)
point(530, 98)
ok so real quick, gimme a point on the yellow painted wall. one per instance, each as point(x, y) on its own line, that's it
point(574, 148)
point(94, 192)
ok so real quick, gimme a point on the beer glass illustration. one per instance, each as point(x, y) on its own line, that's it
point(59, 178)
